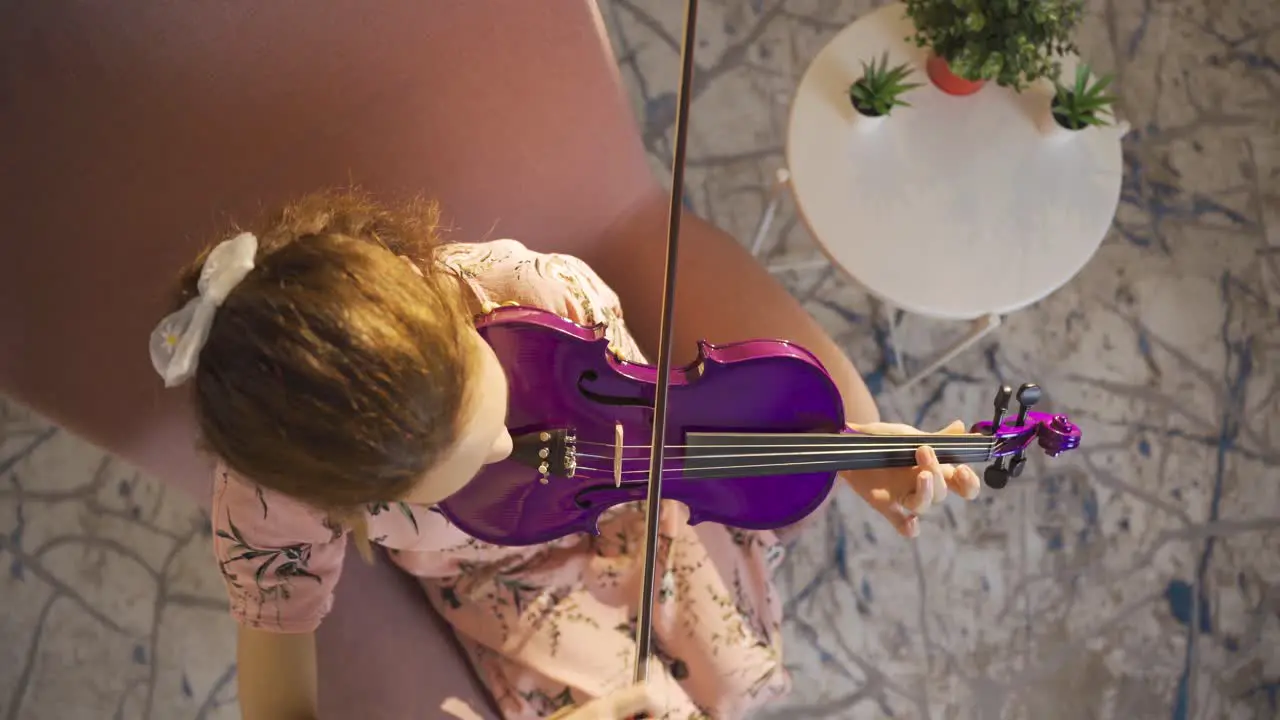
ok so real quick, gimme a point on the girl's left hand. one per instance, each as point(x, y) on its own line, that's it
point(902, 494)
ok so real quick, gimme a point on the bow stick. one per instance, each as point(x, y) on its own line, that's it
point(644, 627)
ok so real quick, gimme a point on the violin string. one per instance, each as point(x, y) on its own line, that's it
point(911, 442)
point(607, 474)
point(694, 473)
point(970, 456)
point(805, 453)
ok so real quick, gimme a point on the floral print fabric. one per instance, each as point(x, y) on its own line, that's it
point(547, 626)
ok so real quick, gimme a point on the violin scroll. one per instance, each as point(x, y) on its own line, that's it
point(1055, 434)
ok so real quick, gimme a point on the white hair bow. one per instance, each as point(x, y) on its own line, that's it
point(178, 339)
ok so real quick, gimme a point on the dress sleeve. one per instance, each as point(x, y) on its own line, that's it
point(505, 271)
point(280, 560)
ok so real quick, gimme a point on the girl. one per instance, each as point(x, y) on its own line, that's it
point(339, 381)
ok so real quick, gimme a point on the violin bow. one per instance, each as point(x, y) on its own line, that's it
point(644, 627)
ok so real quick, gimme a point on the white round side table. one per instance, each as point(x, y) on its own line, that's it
point(959, 208)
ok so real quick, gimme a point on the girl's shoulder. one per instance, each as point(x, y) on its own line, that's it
point(480, 259)
point(244, 508)
point(507, 272)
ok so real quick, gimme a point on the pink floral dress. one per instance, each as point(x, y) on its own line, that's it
point(545, 626)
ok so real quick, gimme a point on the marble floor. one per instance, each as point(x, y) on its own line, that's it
point(1138, 577)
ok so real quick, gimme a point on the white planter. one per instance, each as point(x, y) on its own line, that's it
point(1054, 132)
point(867, 123)
point(864, 123)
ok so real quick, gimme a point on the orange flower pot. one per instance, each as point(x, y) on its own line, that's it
point(947, 81)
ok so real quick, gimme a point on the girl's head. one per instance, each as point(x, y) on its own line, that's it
point(343, 369)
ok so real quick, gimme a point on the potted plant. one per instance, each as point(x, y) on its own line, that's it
point(1079, 105)
point(1012, 42)
point(880, 89)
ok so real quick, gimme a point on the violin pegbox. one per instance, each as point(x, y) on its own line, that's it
point(1055, 433)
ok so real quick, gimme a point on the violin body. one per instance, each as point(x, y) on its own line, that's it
point(564, 377)
point(755, 434)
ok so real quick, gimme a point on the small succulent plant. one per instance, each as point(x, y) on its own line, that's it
point(1084, 102)
point(880, 88)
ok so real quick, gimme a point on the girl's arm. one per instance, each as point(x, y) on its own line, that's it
point(723, 295)
point(277, 675)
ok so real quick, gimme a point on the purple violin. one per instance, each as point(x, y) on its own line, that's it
point(755, 434)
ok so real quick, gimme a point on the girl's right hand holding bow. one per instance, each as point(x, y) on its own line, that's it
point(635, 701)
point(629, 703)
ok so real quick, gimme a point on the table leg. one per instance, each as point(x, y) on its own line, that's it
point(888, 315)
point(797, 265)
point(781, 179)
point(981, 327)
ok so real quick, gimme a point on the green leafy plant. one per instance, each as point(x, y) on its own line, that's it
point(1084, 102)
point(880, 88)
point(1011, 42)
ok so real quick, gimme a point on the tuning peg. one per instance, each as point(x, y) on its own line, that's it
point(1016, 464)
point(996, 476)
point(1003, 396)
point(1028, 395)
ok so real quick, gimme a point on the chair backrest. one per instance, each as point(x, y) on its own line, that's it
point(133, 130)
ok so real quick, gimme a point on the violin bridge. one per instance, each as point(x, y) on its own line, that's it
point(617, 454)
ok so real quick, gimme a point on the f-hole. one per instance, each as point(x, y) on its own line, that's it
point(591, 376)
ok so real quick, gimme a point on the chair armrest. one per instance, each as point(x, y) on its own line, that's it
point(383, 653)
